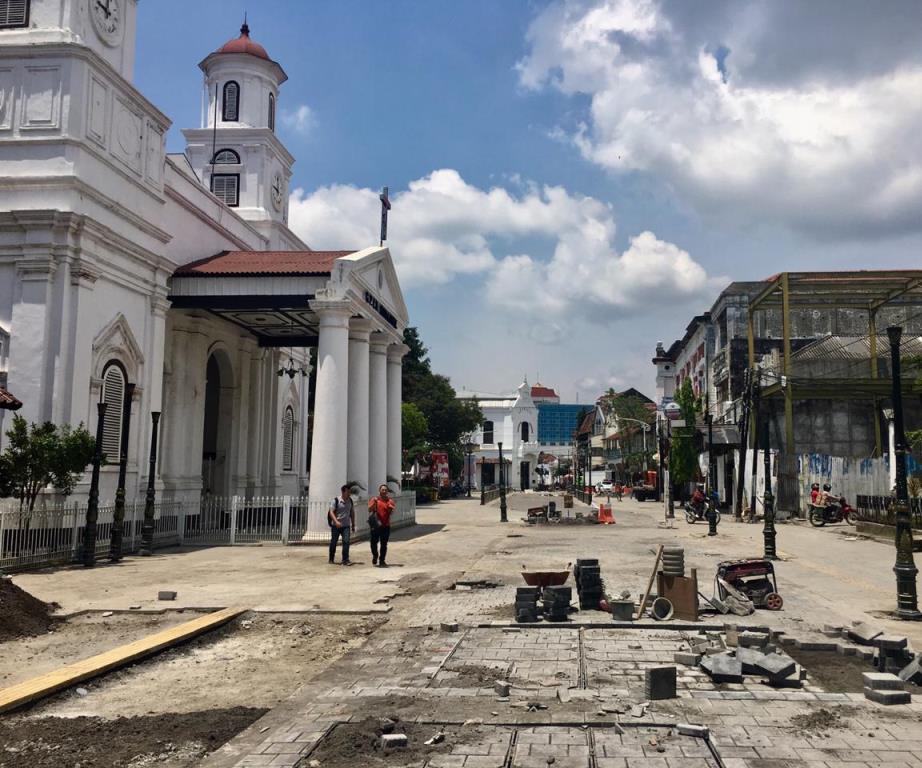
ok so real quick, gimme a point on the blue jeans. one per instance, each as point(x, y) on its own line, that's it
point(335, 533)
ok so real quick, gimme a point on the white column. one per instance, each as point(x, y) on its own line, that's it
point(357, 456)
point(377, 417)
point(328, 446)
point(395, 353)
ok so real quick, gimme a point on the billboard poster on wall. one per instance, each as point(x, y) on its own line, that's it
point(440, 472)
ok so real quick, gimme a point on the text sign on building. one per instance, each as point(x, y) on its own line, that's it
point(372, 301)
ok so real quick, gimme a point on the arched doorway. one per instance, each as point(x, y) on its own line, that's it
point(219, 386)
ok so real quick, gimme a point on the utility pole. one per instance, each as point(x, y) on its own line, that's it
point(711, 513)
point(502, 486)
point(905, 567)
point(744, 445)
point(768, 501)
point(754, 422)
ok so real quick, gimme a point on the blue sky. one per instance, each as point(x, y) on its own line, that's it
point(528, 145)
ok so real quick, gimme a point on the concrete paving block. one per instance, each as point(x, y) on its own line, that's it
point(882, 681)
point(753, 639)
point(166, 594)
point(777, 666)
point(891, 642)
point(394, 741)
point(502, 688)
point(723, 668)
point(687, 658)
point(887, 697)
point(750, 658)
point(449, 626)
point(862, 633)
point(912, 672)
point(699, 731)
point(815, 645)
point(732, 637)
point(660, 683)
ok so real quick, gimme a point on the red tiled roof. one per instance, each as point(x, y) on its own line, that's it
point(243, 44)
point(249, 263)
point(8, 402)
point(539, 390)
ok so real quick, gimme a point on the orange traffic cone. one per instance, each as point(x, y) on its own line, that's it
point(605, 515)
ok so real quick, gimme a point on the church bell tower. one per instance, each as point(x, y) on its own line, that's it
point(235, 152)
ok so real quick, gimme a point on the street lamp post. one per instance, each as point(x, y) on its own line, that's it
point(92, 504)
point(502, 486)
point(768, 499)
point(469, 445)
point(905, 567)
point(147, 530)
point(711, 513)
point(118, 515)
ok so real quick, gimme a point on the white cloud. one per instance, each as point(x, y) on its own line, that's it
point(442, 227)
point(821, 148)
point(299, 120)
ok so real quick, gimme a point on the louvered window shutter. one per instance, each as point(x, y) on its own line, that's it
point(14, 13)
point(288, 424)
point(231, 102)
point(224, 187)
point(113, 395)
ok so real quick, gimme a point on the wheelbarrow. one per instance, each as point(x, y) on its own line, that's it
point(544, 579)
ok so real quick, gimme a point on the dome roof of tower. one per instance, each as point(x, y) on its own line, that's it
point(244, 44)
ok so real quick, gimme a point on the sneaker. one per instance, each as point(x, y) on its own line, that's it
point(331, 562)
point(382, 564)
point(374, 562)
point(347, 562)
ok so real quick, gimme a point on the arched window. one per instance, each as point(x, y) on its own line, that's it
point(231, 110)
point(271, 111)
point(525, 431)
point(288, 439)
point(226, 157)
point(113, 395)
point(488, 433)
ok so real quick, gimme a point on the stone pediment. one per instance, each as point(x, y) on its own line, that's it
point(117, 340)
point(372, 270)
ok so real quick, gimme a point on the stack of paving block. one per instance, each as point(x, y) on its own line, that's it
point(893, 653)
point(556, 602)
point(588, 577)
point(659, 683)
point(884, 688)
point(753, 655)
point(526, 605)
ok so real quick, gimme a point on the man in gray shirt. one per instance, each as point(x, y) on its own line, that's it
point(341, 516)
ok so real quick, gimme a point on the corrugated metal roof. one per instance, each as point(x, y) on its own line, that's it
point(855, 348)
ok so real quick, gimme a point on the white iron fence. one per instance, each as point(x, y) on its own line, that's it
point(55, 535)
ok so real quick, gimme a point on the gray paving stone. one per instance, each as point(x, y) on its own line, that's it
point(887, 696)
point(723, 667)
point(882, 681)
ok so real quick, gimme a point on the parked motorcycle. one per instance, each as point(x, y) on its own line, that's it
point(835, 512)
point(695, 512)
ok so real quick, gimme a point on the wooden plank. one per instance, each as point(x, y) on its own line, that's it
point(643, 600)
point(51, 682)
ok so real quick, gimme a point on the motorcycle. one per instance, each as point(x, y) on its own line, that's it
point(695, 512)
point(835, 512)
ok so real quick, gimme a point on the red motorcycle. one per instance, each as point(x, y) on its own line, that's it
point(834, 512)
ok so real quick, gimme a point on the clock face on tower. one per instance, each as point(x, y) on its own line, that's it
point(278, 191)
point(107, 19)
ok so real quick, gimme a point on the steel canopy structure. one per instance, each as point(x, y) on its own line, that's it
point(867, 291)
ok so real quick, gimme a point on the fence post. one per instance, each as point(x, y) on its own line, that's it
point(134, 516)
point(181, 522)
point(233, 520)
point(286, 516)
point(2, 526)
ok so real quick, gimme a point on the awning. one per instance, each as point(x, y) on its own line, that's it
point(8, 402)
point(723, 434)
point(493, 461)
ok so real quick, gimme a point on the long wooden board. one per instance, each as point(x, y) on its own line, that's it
point(51, 682)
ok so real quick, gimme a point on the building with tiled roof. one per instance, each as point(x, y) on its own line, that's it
point(171, 284)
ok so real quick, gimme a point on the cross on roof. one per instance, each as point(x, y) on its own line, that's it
point(385, 207)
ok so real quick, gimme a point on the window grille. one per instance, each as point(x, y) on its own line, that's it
point(231, 111)
point(14, 13)
point(226, 157)
point(271, 112)
point(113, 395)
point(226, 188)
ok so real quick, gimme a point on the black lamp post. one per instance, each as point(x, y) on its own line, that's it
point(502, 486)
point(147, 531)
point(711, 513)
point(92, 504)
point(905, 569)
point(469, 446)
point(768, 501)
point(118, 515)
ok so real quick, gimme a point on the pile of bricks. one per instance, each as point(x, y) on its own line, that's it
point(728, 658)
point(589, 583)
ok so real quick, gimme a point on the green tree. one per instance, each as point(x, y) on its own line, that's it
point(683, 457)
point(415, 430)
point(448, 419)
point(41, 455)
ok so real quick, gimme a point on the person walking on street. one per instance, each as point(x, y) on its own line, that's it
point(342, 523)
point(380, 509)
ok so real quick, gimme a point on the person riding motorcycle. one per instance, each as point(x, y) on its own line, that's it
point(827, 498)
point(815, 494)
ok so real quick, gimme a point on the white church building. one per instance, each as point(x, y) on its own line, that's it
point(171, 284)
